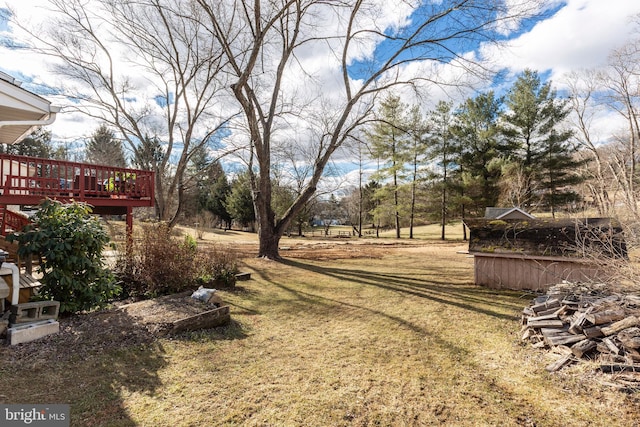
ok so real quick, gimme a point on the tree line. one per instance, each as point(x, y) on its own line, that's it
point(175, 78)
point(452, 162)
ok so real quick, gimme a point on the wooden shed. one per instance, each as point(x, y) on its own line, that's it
point(537, 253)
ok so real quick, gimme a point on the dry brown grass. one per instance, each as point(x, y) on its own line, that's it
point(396, 336)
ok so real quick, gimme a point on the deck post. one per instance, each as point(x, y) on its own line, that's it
point(129, 243)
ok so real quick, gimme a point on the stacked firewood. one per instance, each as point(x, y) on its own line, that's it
point(586, 322)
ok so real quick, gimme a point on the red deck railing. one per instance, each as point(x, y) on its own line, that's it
point(29, 180)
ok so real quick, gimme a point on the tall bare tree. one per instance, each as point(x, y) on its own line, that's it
point(621, 80)
point(275, 50)
point(583, 87)
point(145, 69)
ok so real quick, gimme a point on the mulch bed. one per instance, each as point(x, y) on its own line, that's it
point(122, 326)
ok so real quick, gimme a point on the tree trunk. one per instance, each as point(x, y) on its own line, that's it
point(395, 202)
point(269, 242)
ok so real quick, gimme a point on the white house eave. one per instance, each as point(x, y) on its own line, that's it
point(21, 111)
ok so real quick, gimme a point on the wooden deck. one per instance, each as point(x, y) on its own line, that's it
point(29, 180)
point(109, 190)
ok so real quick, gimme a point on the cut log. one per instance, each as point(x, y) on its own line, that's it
point(572, 304)
point(630, 343)
point(620, 325)
point(606, 316)
point(583, 347)
point(593, 332)
point(551, 323)
point(611, 346)
point(551, 316)
point(634, 355)
point(549, 332)
point(560, 363)
point(206, 320)
point(630, 338)
point(243, 276)
point(578, 323)
point(550, 303)
point(619, 367)
point(556, 311)
point(563, 339)
point(629, 333)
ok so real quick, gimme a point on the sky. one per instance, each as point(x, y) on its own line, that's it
point(574, 35)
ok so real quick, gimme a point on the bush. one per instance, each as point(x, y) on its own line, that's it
point(70, 243)
point(162, 264)
point(217, 264)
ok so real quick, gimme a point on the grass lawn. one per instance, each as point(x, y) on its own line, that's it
point(393, 337)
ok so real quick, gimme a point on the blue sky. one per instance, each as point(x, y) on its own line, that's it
point(572, 35)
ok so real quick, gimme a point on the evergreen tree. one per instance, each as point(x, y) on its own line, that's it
point(104, 148)
point(148, 154)
point(417, 146)
point(558, 172)
point(533, 124)
point(212, 191)
point(480, 147)
point(239, 203)
point(389, 138)
point(37, 144)
point(442, 150)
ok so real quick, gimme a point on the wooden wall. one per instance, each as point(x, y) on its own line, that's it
point(505, 271)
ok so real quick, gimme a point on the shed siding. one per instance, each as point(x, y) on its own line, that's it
point(527, 272)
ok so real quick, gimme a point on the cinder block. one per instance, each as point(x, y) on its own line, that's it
point(32, 331)
point(50, 310)
point(34, 311)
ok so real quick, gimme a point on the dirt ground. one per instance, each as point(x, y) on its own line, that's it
point(326, 250)
point(123, 325)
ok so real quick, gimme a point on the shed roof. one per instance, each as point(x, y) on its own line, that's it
point(602, 237)
point(21, 110)
point(500, 213)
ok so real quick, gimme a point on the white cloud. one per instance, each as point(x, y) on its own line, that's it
point(580, 35)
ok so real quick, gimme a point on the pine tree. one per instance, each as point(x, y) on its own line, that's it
point(480, 146)
point(37, 144)
point(104, 149)
point(533, 125)
point(389, 139)
point(442, 150)
point(213, 191)
point(239, 203)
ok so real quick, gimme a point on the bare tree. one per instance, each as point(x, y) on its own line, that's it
point(621, 80)
point(583, 87)
point(275, 51)
point(146, 70)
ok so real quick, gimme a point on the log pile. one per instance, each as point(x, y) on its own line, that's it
point(586, 322)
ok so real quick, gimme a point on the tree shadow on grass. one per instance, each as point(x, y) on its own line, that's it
point(467, 297)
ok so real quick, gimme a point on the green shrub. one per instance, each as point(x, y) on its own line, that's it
point(70, 242)
point(162, 264)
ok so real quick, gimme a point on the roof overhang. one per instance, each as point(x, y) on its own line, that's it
point(21, 111)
